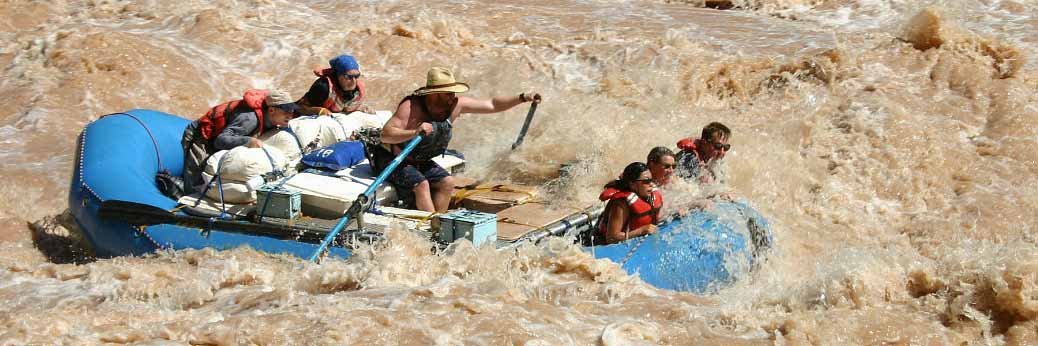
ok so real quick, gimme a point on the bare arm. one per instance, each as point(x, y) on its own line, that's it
point(396, 129)
point(618, 213)
point(495, 104)
point(614, 232)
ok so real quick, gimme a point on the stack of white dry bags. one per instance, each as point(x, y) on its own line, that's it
point(315, 132)
point(241, 172)
point(330, 195)
point(242, 169)
point(323, 195)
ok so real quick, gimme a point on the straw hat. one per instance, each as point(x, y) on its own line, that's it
point(441, 80)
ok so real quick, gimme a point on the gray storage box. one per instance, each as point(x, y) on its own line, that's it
point(468, 224)
point(283, 203)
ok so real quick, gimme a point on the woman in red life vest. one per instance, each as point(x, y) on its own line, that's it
point(338, 89)
point(633, 206)
point(233, 124)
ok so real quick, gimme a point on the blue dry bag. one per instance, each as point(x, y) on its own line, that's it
point(337, 156)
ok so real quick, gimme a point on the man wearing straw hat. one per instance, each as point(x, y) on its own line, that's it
point(429, 112)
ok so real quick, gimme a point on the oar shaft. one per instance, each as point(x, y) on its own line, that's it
point(363, 198)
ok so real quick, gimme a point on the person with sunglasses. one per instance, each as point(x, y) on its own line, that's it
point(430, 112)
point(701, 159)
point(338, 89)
point(632, 206)
point(661, 162)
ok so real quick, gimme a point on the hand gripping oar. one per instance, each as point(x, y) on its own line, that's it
point(526, 125)
point(361, 202)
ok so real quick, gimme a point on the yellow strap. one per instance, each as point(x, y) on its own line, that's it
point(426, 218)
point(469, 191)
point(420, 219)
point(543, 202)
point(514, 222)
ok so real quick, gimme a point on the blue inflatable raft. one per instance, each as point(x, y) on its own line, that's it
point(119, 155)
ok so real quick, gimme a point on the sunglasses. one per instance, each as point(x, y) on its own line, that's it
point(668, 166)
point(724, 147)
point(644, 181)
point(352, 76)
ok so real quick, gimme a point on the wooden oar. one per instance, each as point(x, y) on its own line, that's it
point(145, 214)
point(361, 202)
point(526, 125)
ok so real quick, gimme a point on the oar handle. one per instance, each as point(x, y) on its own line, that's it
point(526, 125)
point(361, 201)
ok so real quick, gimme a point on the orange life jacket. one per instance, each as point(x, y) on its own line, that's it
point(641, 212)
point(215, 120)
point(689, 144)
point(334, 93)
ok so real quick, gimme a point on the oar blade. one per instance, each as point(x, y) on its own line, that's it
point(134, 213)
point(526, 126)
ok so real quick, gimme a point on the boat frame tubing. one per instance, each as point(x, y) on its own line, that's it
point(576, 222)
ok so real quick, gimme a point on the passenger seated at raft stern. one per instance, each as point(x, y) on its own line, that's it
point(429, 112)
point(232, 124)
point(338, 89)
point(702, 159)
point(632, 207)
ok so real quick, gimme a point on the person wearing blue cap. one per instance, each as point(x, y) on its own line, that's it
point(338, 89)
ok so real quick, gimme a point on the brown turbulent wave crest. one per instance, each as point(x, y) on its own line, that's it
point(896, 165)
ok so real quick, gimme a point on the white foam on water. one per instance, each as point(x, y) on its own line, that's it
point(899, 181)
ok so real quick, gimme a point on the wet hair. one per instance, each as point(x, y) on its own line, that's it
point(713, 129)
point(657, 154)
point(632, 172)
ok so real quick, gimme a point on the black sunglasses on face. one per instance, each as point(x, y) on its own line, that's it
point(644, 181)
point(720, 146)
point(352, 76)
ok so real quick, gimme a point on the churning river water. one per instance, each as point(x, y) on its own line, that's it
point(891, 143)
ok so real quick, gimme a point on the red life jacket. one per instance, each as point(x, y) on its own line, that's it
point(641, 212)
point(215, 120)
point(689, 144)
point(333, 92)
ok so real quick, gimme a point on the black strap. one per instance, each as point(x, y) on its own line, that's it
point(150, 135)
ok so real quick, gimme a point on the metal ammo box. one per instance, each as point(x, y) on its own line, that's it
point(277, 201)
point(469, 224)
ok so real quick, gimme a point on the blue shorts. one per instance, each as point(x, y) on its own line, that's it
point(409, 173)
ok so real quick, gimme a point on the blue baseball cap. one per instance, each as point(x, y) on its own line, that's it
point(344, 63)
